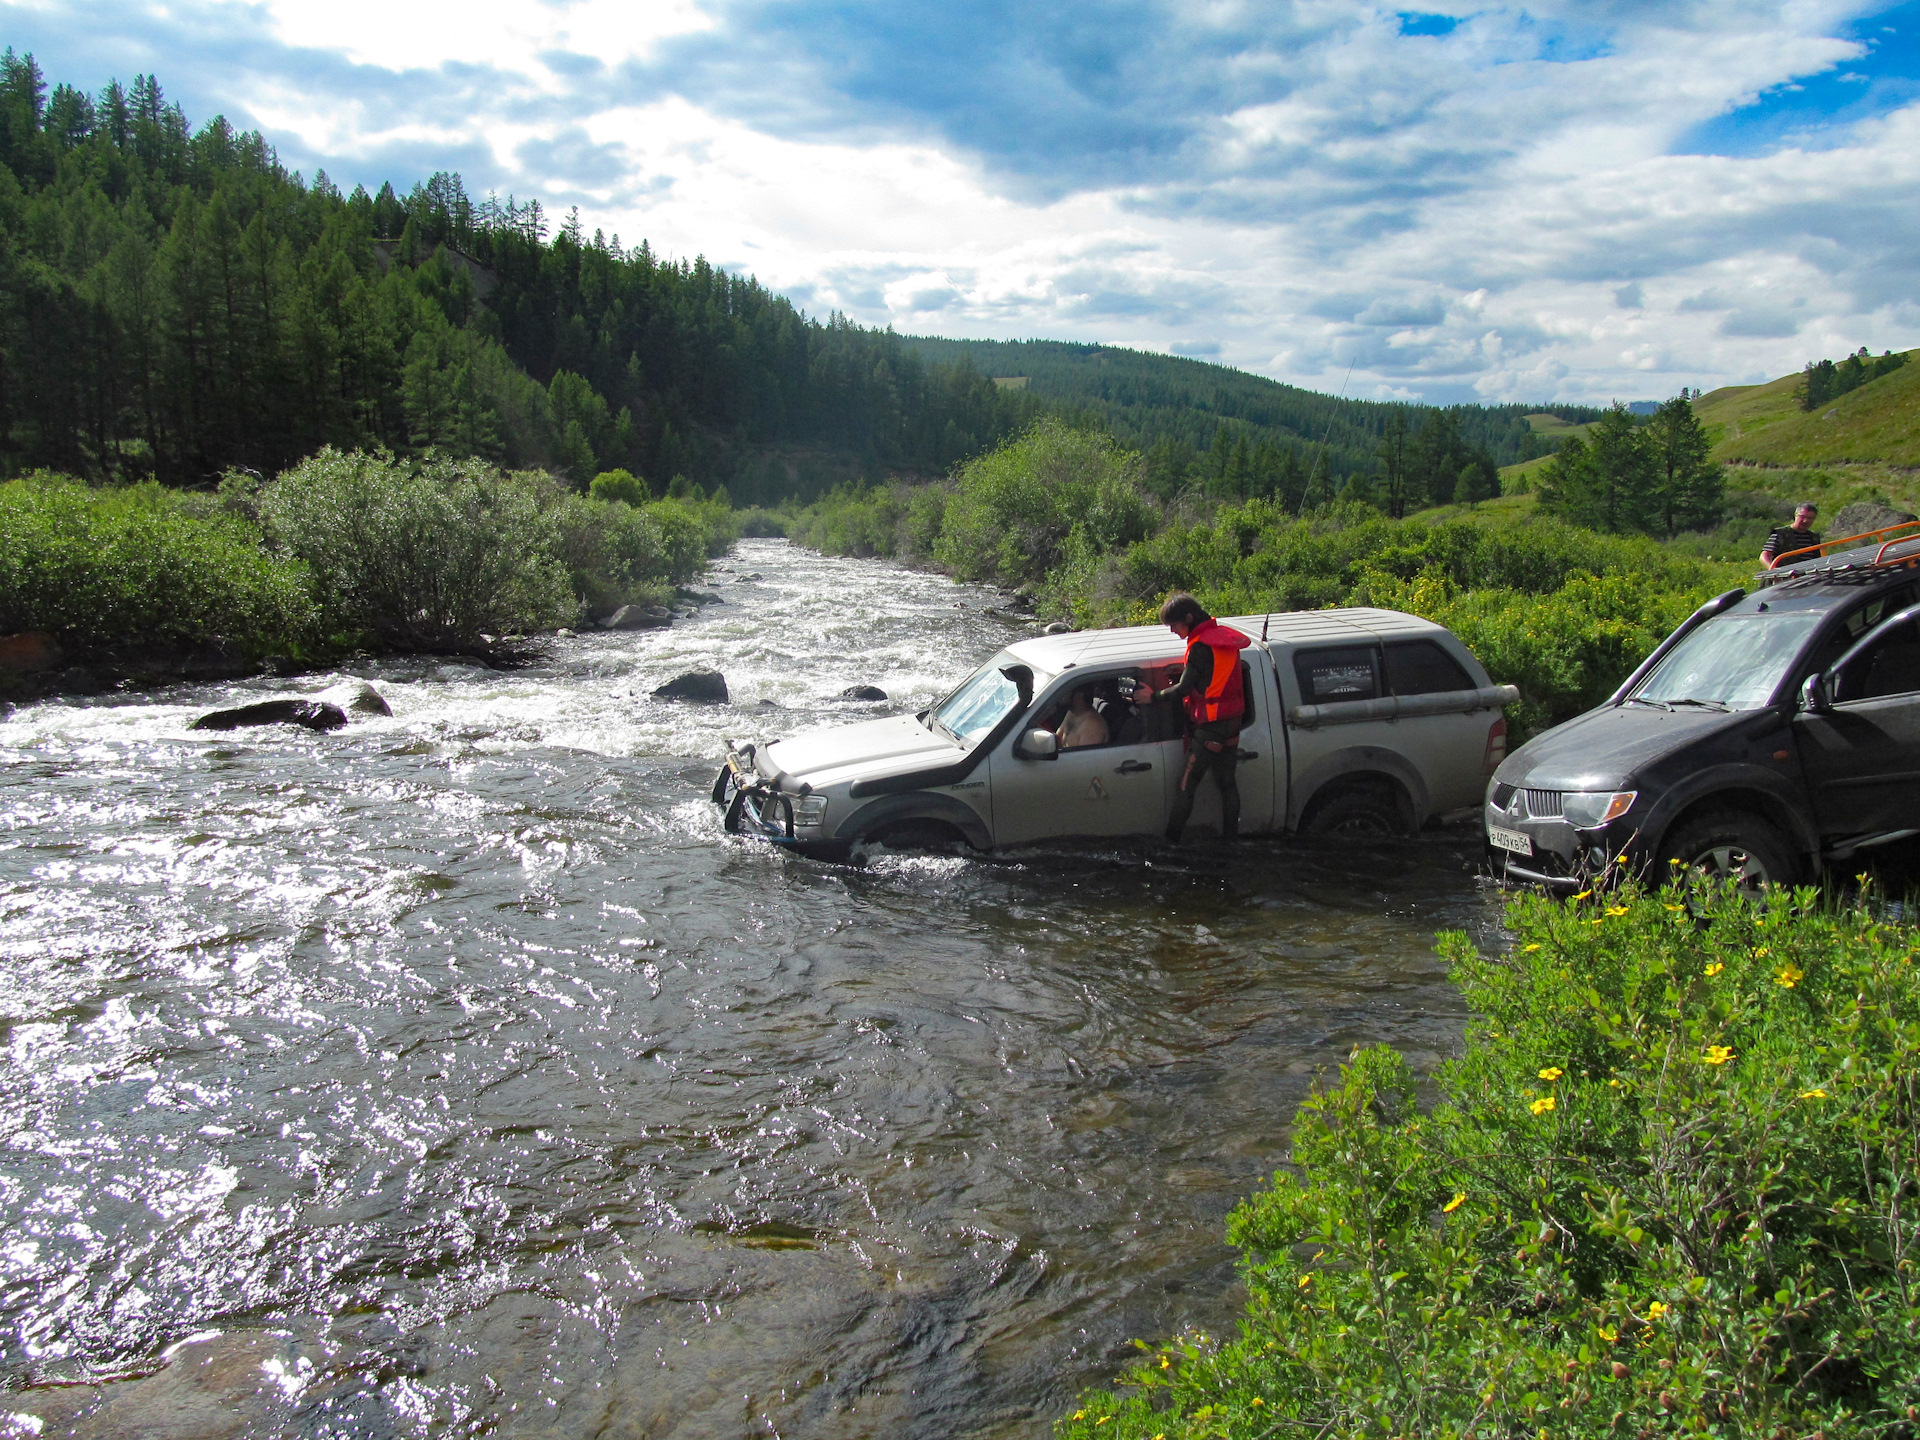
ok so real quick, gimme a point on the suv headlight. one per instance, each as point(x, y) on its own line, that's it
point(809, 810)
point(1584, 810)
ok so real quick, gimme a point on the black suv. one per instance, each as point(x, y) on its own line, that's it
point(1771, 734)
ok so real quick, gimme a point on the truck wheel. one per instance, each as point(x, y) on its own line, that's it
point(1356, 810)
point(918, 835)
point(1734, 845)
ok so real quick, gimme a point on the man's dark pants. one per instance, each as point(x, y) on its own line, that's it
point(1204, 759)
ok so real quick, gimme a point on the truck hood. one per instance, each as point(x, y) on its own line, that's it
point(860, 752)
point(1605, 748)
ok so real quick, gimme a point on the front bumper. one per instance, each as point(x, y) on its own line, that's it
point(763, 806)
point(1562, 859)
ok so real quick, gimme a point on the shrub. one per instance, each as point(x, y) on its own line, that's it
point(621, 485)
point(423, 556)
point(1673, 1187)
point(142, 565)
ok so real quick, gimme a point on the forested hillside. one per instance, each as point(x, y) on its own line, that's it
point(178, 302)
point(1189, 416)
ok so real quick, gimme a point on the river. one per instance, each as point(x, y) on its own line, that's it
point(454, 1073)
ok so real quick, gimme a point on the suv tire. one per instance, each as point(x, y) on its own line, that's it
point(919, 835)
point(1367, 811)
point(1730, 844)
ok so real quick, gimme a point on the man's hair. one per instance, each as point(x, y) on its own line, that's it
point(1806, 505)
point(1182, 609)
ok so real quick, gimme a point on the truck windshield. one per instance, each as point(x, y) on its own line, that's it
point(981, 702)
point(1734, 661)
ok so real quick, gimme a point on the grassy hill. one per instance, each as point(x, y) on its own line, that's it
point(1878, 424)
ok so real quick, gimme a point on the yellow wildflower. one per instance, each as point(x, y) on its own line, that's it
point(1616, 909)
point(1454, 1204)
point(1761, 953)
point(1717, 1054)
point(1258, 1401)
point(1542, 1105)
point(1676, 907)
point(1609, 1334)
point(1614, 1084)
point(1079, 1414)
point(1305, 1280)
point(1714, 969)
point(1656, 1310)
point(1583, 895)
point(1552, 1072)
point(1166, 1362)
point(1790, 975)
point(1529, 949)
point(1814, 1094)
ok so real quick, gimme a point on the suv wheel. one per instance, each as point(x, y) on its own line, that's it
point(1357, 810)
point(1733, 845)
point(919, 835)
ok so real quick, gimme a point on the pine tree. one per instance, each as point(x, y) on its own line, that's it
point(1690, 493)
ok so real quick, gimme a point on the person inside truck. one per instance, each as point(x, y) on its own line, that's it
point(1797, 536)
point(1214, 699)
point(1083, 724)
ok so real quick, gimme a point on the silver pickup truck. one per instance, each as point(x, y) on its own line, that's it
point(1362, 721)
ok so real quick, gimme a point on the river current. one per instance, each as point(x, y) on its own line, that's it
point(455, 1074)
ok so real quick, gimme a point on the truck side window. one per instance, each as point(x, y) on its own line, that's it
point(1351, 672)
point(1891, 667)
point(1856, 623)
point(1420, 667)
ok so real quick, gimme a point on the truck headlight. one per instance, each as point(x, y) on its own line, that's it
point(1585, 809)
point(809, 810)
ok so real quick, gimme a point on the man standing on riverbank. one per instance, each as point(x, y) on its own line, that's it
point(1783, 539)
point(1216, 704)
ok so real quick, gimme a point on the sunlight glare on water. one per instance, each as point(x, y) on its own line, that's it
point(454, 1073)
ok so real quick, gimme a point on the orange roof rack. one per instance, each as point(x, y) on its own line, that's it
point(1846, 542)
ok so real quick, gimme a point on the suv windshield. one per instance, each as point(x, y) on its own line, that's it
point(1732, 660)
point(981, 702)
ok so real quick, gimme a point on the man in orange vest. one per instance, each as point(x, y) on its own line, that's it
point(1215, 700)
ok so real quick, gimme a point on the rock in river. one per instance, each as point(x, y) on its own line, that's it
point(28, 651)
point(314, 714)
point(707, 686)
point(356, 697)
point(863, 692)
point(638, 617)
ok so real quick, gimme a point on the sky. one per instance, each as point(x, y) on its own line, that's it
point(1551, 202)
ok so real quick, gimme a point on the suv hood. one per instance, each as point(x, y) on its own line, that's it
point(1605, 748)
point(859, 752)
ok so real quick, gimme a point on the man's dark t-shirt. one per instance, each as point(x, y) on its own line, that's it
point(1784, 538)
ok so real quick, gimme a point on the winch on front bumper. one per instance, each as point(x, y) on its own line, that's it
point(754, 803)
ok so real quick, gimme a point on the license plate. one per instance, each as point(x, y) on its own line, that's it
point(1510, 840)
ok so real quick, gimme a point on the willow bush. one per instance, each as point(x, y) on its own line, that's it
point(137, 565)
point(1672, 1187)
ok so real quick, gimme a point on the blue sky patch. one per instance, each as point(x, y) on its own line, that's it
point(1816, 111)
point(1415, 22)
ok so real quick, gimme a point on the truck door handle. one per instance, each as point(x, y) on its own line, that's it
point(1133, 767)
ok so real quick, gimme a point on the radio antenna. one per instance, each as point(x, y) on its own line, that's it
point(1325, 433)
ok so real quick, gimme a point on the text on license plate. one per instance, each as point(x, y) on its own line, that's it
point(1512, 840)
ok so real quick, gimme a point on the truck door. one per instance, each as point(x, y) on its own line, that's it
point(1116, 788)
point(1861, 757)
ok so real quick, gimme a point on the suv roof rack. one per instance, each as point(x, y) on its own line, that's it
point(1846, 561)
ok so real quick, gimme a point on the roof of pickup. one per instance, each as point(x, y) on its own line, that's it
point(1139, 643)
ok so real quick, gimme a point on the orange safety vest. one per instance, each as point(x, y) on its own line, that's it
point(1224, 698)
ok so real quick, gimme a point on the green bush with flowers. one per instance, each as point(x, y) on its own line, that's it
point(1672, 1187)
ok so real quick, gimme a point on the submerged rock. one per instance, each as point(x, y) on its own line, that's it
point(314, 714)
point(708, 687)
point(863, 692)
point(638, 617)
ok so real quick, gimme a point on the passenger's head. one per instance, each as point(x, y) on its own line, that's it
point(1805, 513)
point(1181, 613)
point(1080, 702)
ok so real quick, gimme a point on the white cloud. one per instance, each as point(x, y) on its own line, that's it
point(1494, 213)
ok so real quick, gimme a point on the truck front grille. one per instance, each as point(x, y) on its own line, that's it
point(1543, 804)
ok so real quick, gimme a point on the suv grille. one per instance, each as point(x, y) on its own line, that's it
point(1543, 804)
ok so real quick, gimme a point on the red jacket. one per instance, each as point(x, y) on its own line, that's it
point(1224, 697)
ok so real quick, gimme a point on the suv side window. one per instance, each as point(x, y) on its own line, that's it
point(1351, 672)
point(1891, 667)
point(1857, 622)
point(1420, 667)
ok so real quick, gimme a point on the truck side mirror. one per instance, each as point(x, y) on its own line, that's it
point(1813, 694)
point(1038, 745)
